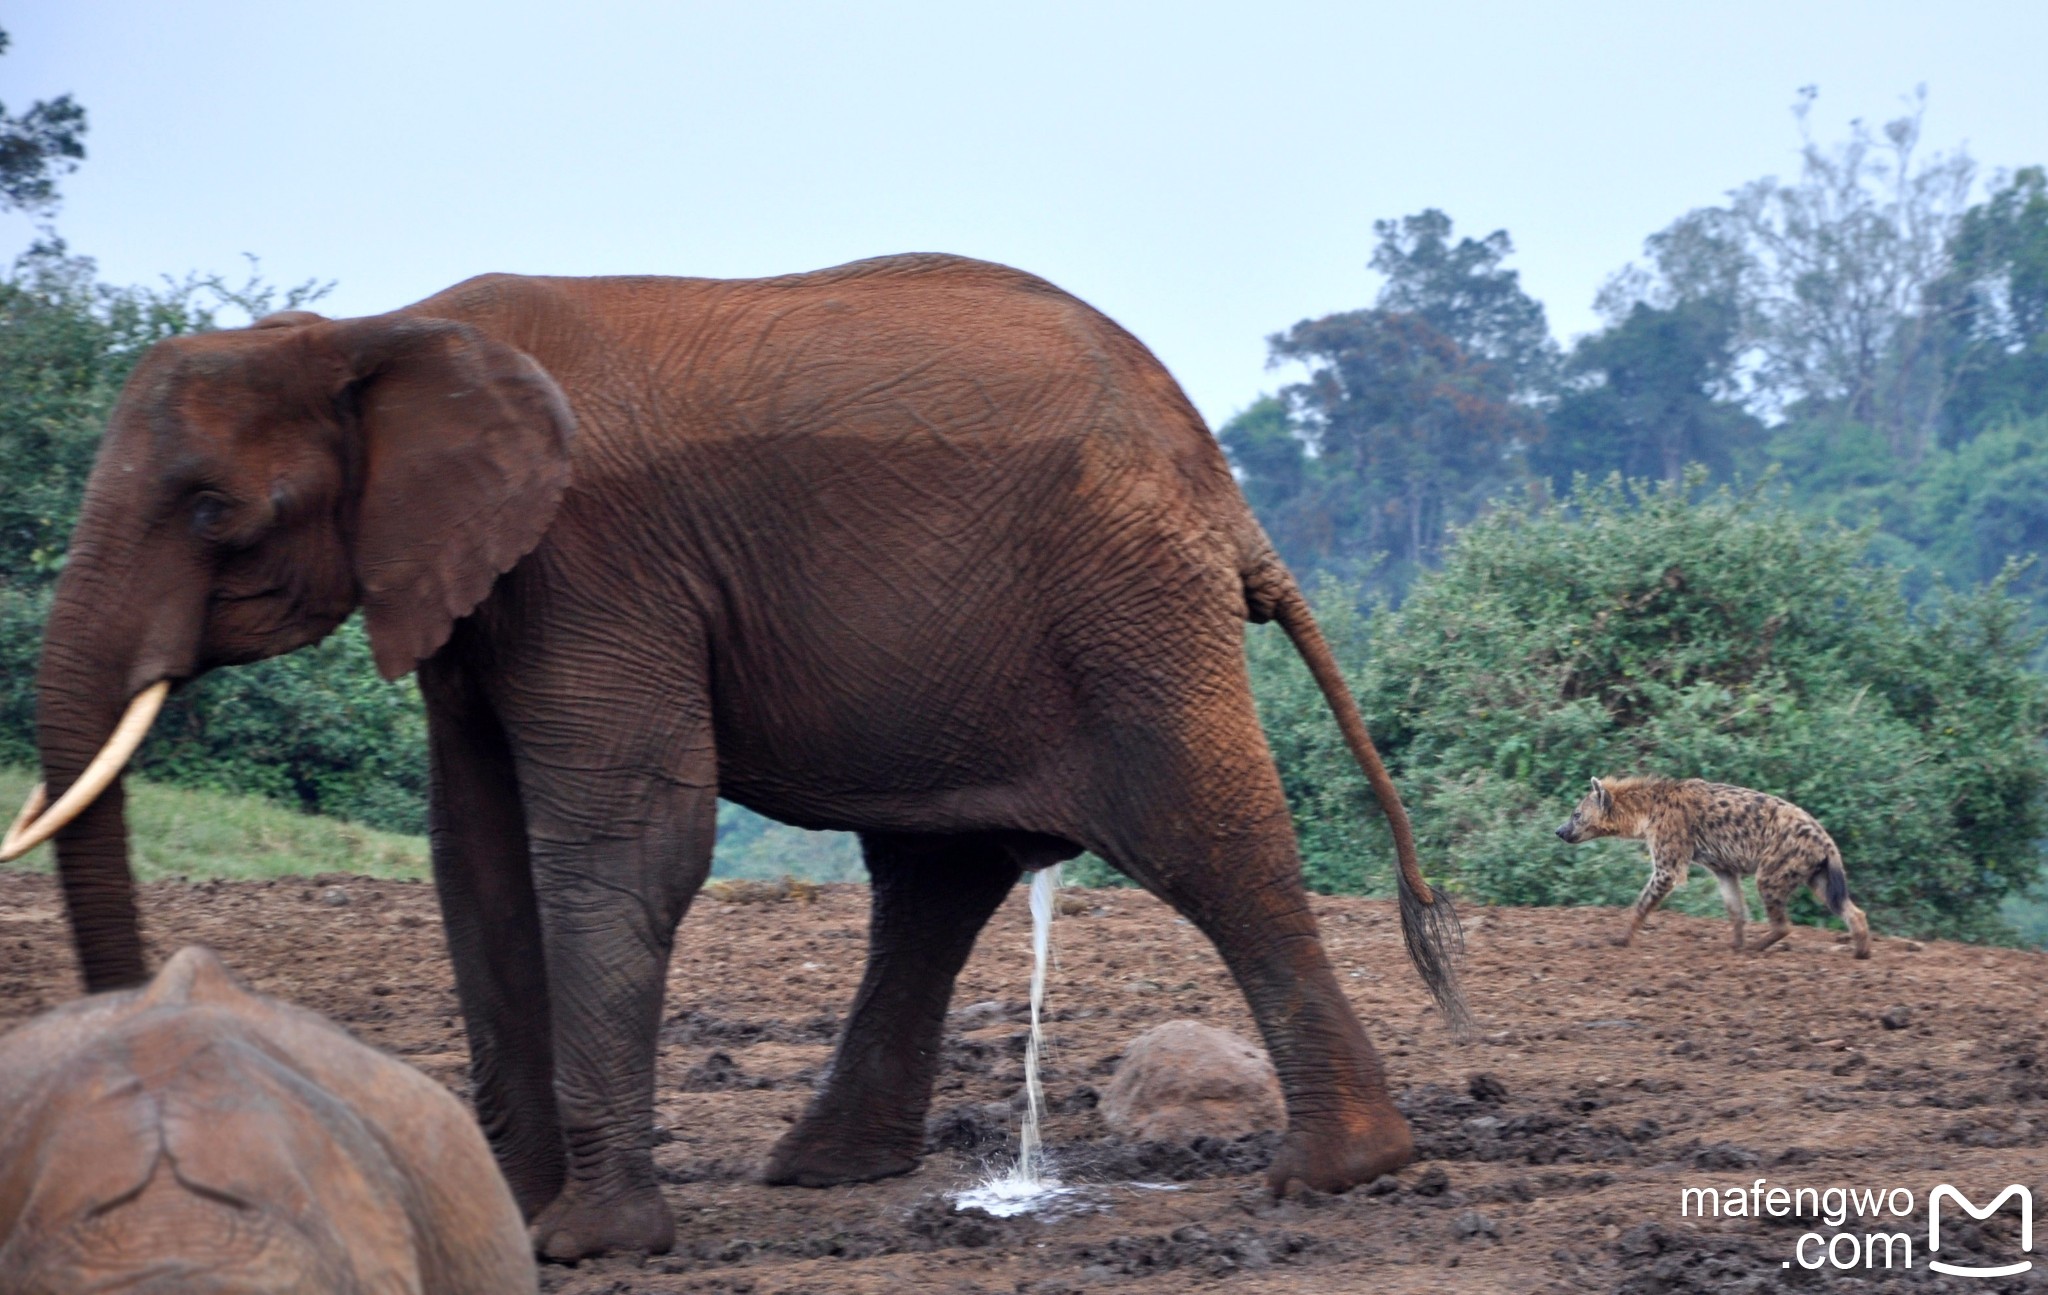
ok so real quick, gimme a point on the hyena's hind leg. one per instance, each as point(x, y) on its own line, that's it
point(1824, 890)
point(1737, 906)
point(1775, 885)
point(1781, 922)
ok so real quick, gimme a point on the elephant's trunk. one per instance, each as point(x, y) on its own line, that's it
point(85, 686)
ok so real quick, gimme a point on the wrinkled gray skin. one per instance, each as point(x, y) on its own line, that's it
point(192, 1137)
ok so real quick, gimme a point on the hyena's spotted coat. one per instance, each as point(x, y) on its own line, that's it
point(1732, 832)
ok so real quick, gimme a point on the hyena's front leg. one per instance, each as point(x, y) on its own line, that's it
point(1667, 869)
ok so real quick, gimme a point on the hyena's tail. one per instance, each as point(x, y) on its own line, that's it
point(1837, 883)
point(1835, 886)
point(1428, 925)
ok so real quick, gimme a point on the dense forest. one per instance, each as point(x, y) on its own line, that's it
point(1774, 523)
point(1872, 333)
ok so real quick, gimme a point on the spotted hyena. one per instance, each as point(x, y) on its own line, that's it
point(1730, 831)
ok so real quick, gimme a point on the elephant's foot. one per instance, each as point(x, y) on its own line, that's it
point(1337, 1161)
point(580, 1225)
point(815, 1154)
point(534, 1186)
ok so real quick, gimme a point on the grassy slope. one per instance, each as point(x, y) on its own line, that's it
point(182, 833)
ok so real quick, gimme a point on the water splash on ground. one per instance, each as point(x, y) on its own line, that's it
point(1028, 1186)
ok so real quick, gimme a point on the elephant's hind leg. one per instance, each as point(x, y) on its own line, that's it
point(1203, 825)
point(931, 897)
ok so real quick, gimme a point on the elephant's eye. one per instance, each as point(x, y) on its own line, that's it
point(210, 511)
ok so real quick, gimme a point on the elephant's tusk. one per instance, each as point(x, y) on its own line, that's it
point(24, 835)
point(29, 809)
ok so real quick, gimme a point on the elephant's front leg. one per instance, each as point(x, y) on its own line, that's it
point(931, 897)
point(610, 897)
point(485, 886)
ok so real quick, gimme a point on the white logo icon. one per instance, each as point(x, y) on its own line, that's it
point(1961, 1270)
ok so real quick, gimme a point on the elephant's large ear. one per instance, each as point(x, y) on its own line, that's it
point(462, 460)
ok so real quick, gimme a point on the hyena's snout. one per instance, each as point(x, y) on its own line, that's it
point(1566, 835)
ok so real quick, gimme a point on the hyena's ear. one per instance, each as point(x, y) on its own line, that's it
point(1601, 796)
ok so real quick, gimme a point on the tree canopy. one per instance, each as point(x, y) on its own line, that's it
point(36, 147)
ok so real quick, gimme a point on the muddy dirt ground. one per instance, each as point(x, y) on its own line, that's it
point(1555, 1144)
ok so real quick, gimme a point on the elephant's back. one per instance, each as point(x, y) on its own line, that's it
point(970, 417)
point(932, 346)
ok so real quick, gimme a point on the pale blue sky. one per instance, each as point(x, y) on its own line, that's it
point(1207, 174)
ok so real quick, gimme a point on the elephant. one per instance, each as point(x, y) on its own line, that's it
point(918, 547)
point(191, 1136)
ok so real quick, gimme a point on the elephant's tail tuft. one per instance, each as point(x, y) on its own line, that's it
point(1428, 924)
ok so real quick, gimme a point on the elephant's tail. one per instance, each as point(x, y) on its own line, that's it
point(1428, 923)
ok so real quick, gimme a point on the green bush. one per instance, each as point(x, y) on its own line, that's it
point(317, 730)
point(1724, 638)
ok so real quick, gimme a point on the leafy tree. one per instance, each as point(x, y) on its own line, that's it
point(1464, 292)
point(1650, 395)
point(66, 345)
point(1261, 440)
point(1646, 631)
point(1999, 285)
point(1411, 431)
point(36, 147)
point(1983, 506)
point(1412, 414)
point(1835, 278)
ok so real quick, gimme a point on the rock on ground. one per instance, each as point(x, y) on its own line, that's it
point(1184, 1080)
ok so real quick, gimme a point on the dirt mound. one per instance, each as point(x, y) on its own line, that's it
point(1599, 1086)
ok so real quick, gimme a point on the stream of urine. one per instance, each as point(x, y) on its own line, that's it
point(1027, 1185)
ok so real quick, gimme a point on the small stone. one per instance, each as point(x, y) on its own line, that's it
point(1184, 1080)
point(1384, 1185)
point(334, 897)
point(1433, 1182)
point(1471, 1224)
point(1898, 1018)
